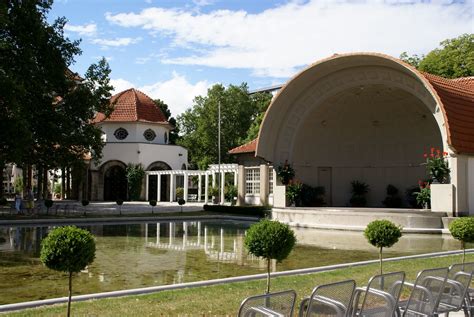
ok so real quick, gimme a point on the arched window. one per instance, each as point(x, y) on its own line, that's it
point(120, 134)
point(149, 135)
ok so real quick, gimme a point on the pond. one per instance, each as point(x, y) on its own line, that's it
point(148, 254)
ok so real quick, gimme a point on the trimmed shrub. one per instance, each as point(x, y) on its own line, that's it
point(179, 193)
point(230, 192)
point(382, 234)
point(359, 191)
point(270, 240)
point(257, 211)
point(462, 229)
point(181, 202)
point(68, 249)
point(135, 174)
point(152, 204)
point(119, 203)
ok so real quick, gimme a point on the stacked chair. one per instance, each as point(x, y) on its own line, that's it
point(434, 292)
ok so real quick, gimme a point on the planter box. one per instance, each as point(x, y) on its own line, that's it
point(279, 196)
point(442, 198)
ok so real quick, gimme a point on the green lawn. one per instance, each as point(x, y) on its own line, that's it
point(224, 300)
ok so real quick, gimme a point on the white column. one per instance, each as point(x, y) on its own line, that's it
point(222, 187)
point(206, 188)
point(185, 195)
point(205, 238)
point(158, 190)
point(147, 176)
point(171, 233)
point(199, 231)
point(199, 188)
point(172, 187)
point(213, 179)
point(222, 241)
point(235, 178)
point(146, 233)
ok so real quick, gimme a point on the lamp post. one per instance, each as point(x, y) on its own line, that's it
point(219, 148)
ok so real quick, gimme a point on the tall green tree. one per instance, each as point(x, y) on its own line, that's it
point(454, 59)
point(45, 109)
point(199, 128)
point(261, 101)
point(174, 134)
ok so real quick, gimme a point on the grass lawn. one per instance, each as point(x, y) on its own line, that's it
point(224, 300)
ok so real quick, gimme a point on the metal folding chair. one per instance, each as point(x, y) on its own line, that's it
point(380, 297)
point(426, 293)
point(333, 299)
point(279, 304)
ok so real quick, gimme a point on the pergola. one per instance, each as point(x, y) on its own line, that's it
point(213, 172)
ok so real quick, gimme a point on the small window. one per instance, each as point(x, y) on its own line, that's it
point(252, 181)
point(149, 135)
point(166, 137)
point(120, 134)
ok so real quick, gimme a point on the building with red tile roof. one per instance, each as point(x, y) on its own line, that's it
point(368, 117)
point(136, 131)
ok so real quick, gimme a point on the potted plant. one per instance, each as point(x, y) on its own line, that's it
point(214, 192)
point(179, 193)
point(293, 193)
point(359, 192)
point(230, 193)
point(382, 234)
point(285, 173)
point(437, 165)
point(270, 240)
point(423, 196)
point(392, 200)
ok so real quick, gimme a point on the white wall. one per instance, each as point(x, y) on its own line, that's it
point(135, 131)
point(173, 155)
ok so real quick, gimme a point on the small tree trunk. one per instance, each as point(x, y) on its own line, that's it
point(40, 181)
point(70, 295)
point(380, 257)
point(268, 276)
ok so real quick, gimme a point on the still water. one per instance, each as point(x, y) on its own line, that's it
point(148, 254)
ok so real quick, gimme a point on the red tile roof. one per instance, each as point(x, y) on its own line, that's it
point(457, 98)
point(249, 147)
point(132, 105)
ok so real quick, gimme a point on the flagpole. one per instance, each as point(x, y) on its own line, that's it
point(219, 147)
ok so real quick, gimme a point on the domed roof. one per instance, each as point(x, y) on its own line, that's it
point(132, 105)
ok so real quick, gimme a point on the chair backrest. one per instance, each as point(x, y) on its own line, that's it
point(459, 280)
point(427, 291)
point(382, 294)
point(331, 299)
point(282, 303)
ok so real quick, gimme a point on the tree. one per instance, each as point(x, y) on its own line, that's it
point(46, 110)
point(68, 249)
point(462, 229)
point(262, 101)
point(270, 240)
point(382, 234)
point(199, 127)
point(135, 174)
point(174, 134)
point(454, 59)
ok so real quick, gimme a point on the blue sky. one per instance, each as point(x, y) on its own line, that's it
point(175, 50)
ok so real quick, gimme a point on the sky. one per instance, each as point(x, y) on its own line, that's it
point(176, 50)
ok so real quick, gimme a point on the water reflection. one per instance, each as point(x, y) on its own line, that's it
point(148, 254)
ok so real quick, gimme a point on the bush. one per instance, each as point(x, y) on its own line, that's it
point(230, 192)
point(293, 193)
point(312, 196)
point(258, 211)
point(214, 191)
point(179, 193)
point(134, 173)
point(270, 240)
point(462, 229)
point(410, 196)
point(423, 195)
point(181, 202)
point(3, 201)
point(68, 249)
point(359, 191)
point(392, 200)
point(285, 173)
point(152, 204)
point(382, 234)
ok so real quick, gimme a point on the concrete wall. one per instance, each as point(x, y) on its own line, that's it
point(377, 135)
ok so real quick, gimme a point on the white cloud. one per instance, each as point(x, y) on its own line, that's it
point(177, 91)
point(86, 29)
point(278, 40)
point(121, 41)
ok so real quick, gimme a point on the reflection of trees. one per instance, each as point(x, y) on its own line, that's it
point(24, 239)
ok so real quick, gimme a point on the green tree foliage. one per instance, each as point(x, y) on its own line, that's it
point(261, 101)
point(174, 134)
point(382, 234)
point(45, 109)
point(462, 229)
point(454, 59)
point(199, 127)
point(68, 249)
point(135, 174)
point(270, 240)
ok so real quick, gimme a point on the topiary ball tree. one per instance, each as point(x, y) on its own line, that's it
point(68, 249)
point(382, 234)
point(181, 202)
point(270, 240)
point(48, 204)
point(152, 204)
point(462, 229)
